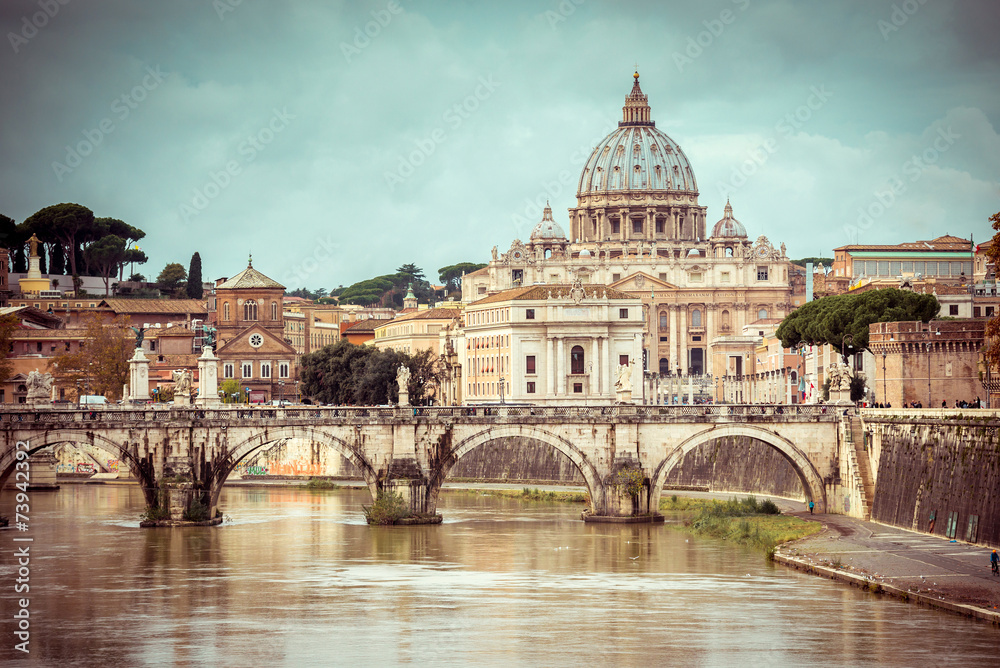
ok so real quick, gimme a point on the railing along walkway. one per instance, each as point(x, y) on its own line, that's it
point(151, 414)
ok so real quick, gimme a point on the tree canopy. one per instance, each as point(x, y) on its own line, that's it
point(195, 290)
point(828, 261)
point(831, 319)
point(451, 275)
point(102, 362)
point(172, 277)
point(349, 374)
point(106, 256)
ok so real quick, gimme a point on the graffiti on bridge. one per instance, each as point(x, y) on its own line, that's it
point(296, 467)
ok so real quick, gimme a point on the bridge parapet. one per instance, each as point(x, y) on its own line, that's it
point(126, 415)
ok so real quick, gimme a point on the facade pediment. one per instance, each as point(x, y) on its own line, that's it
point(245, 343)
point(641, 281)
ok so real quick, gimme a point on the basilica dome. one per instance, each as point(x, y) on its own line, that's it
point(637, 156)
point(548, 229)
point(729, 226)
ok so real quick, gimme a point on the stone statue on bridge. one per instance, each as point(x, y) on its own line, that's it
point(623, 378)
point(182, 387)
point(39, 387)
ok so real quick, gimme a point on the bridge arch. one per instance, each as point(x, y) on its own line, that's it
point(496, 433)
point(40, 440)
point(252, 444)
point(812, 482)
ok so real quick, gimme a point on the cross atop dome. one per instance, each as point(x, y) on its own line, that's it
point(636, 109)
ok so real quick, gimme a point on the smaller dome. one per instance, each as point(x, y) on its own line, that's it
point(548, 228)
point(585, 253)
point(729, 226)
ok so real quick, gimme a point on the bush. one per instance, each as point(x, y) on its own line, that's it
point(196, 512)
point(320, 483)
point(388, 508)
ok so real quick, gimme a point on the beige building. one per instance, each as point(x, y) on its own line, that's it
point(639, 228)
point(415, 331)
point(551, 344)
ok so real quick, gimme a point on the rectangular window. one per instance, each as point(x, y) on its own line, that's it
point(696, 277)
point(762, 273)
point(623, 360)
point(529, 364)
point(577, 388)
point(529, 314)
point(228, 370)
point(615, 226)
point(531, 387)
point(616, 277)
point(906, 267)
point(894, 268)
point(989, 311)
point(659, 226)
point(265, 369)
point(696, 338)
point(725, 277)
point(516, 276)
point(623, 313)
point(919, 268)
point(932, 269)
point(247, 370)
point(38, 345)
point(637, 225)
point(152, 345)
point(663, 276)
point(282, 369)
point(953, 309)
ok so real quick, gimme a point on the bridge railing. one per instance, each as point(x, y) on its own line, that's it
point(126, 415)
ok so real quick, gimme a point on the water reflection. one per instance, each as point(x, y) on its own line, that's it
point(297, 578)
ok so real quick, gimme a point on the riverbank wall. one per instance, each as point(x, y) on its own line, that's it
point(938, 473)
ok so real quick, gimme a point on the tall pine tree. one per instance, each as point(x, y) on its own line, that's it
point(194, 288)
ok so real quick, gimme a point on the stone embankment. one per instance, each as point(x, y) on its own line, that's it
point(911, 566)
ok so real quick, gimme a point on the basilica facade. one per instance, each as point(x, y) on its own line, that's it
point(638, 228)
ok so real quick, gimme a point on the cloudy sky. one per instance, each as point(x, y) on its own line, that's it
point(339, 140)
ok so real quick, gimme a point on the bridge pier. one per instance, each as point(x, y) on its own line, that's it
point(626, 496)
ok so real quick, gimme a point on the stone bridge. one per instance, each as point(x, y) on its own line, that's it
point(412, 450)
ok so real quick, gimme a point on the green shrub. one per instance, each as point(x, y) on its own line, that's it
point(320, 483)
point(196, 511)
point(388, 508)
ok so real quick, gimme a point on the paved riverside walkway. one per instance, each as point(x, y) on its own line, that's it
point(918, 567)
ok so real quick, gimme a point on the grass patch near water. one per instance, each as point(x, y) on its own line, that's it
point(528, 494)
point(747, 521)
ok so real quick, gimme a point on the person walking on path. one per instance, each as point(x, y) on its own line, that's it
point(995, 562)
point(812, 505)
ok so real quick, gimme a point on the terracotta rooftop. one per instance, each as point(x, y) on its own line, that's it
point(560, 291)
point(366, 325)
point(249, 278)
point(427, 314)
point(946, 243)
point(157, 306)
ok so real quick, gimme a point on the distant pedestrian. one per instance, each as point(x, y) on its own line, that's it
point(813, 505)
point(995, 562)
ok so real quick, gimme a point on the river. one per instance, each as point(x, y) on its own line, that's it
point(296, 578)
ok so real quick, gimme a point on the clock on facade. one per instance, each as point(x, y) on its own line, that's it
point(256, 340)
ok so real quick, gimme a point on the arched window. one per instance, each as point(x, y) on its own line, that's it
point(729, 251)
point(249, 310)
point(696, 318)
point(274, 311)
point(664, 366)
point(663, 320)
point(762, 314)
point(576, 359)
point(225, 310)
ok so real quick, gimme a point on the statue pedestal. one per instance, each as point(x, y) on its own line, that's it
point(841, 397)
point(208, 379)
point(404, 398)
point(182, 400)
point(624, 396)
point(138, 376)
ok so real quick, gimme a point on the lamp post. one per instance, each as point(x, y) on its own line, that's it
point(281, 392)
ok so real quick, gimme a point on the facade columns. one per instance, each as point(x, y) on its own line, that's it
point(561, 367)
point(710, 310)
point(672, 342)
point(550, 358)
point(682, 339)
point(595, 367)
point(605, 365)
